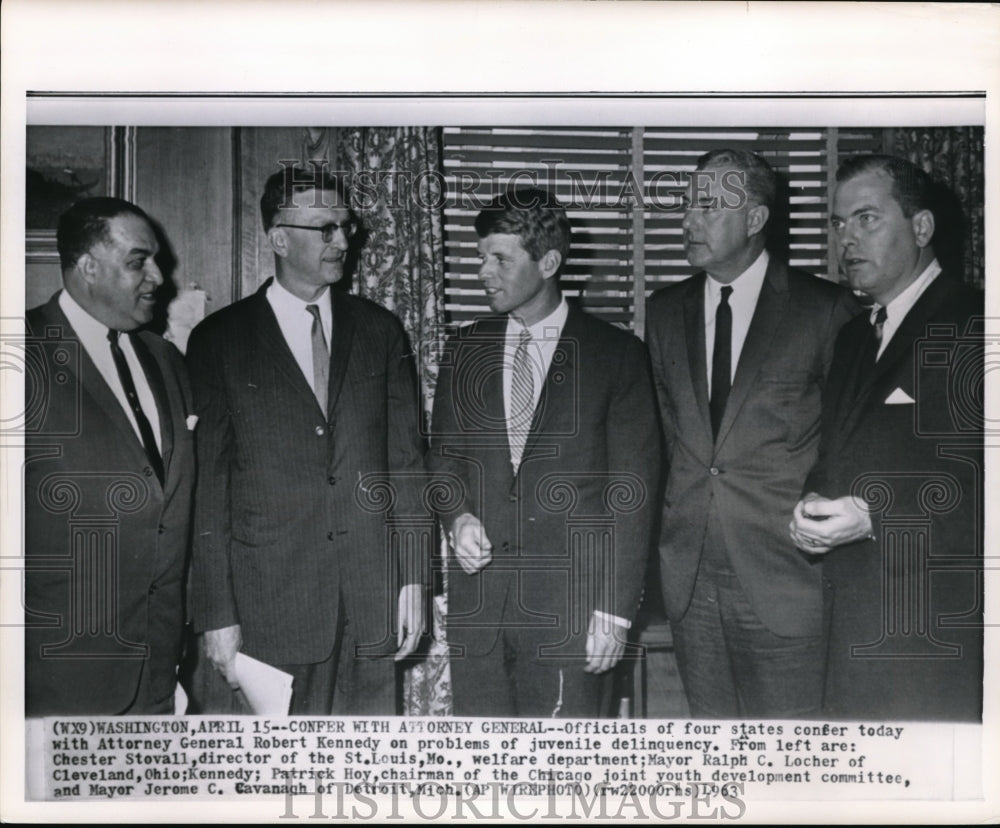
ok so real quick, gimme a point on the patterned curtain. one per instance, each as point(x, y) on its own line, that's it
point(394, 178)
point(953, 156)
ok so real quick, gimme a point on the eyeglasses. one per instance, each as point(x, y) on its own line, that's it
point(348, 228)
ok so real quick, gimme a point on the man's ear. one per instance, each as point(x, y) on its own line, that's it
point(278, 239)
point(87, 267)
point(548, 265)
point(923, 227)
point(757, 217)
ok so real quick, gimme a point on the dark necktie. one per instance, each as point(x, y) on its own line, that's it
point(128, 385)
point(321, 359)
point(869, 352)
point(721, 360)
point(877, 327)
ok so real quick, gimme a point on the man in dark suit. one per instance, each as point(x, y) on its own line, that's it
point(895, 502)
point(740, 355)
point(109, 466)
point(544, 424)
point(308, 409)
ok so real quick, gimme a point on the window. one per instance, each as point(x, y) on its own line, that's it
point(622, 188)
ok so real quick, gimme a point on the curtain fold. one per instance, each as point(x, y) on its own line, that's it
point(393, 174)
point(952, 156)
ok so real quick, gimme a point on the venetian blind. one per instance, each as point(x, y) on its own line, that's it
point(622, 188)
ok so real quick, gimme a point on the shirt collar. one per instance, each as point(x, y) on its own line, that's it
point(284, 299)
point(750, 279)
point(900, 306)
point(84, 325)
point(549, 328)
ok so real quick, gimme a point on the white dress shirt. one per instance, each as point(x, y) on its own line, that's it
point(295, 323)
point(896, 310)
point(93, 336)
point(743, 301)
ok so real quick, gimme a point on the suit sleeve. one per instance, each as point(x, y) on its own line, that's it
point(406, 452)
point(213, 604)
point(664, 408)
point(634, 452)
point(448, 474)
point(834, 377)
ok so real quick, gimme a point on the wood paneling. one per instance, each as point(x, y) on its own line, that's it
point(183, 179)
point(40, 282)
point(259, 149)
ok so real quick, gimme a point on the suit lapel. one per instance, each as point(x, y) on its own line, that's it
point(91, 381)
point(771, 310)
point(693, 305)
point(274, 347)
point(154, 378)
point(564, 363)
point(899, 349)
point(340, 349)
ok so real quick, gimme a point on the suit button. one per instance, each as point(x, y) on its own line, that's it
point(147, 471)
point(329, 536)
point(332, 480)
point(320, 431)
point(713, 471)
point(161, 529)
point(152, 589)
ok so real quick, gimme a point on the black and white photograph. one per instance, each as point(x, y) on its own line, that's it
point(534, 450)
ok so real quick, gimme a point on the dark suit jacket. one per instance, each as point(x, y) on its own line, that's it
point(919, 465)
point(752, 474)
point(98, 523)
point(571, 530)
point(293, 503)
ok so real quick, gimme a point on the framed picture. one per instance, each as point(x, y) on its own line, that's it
point(65, 164)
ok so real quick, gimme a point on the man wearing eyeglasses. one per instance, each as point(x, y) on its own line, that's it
point(306, 400)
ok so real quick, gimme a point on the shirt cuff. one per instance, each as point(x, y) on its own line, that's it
point(621, 622)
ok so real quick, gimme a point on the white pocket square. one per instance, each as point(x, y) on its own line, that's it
point(192, 421)
point(899, 397)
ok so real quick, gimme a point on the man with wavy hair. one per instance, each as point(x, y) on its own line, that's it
point(545, 423)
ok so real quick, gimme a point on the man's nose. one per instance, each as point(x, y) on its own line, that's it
point(153, 273)
point(340, 239)
point(691, 217)
point(846, 235)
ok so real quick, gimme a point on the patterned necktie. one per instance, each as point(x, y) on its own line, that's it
point(721, 360)
point(128, 385)
point(321, 359)
point(522, 399)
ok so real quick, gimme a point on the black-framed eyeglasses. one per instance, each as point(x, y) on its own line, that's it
point(348, 228)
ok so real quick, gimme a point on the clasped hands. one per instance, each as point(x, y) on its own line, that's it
point(473, 551)
point(819, 524)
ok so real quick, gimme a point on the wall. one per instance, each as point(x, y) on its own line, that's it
point(203, 186)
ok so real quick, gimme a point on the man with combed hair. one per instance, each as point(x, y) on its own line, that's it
point(308, 403)
point(544, 419)
point(895, 500)
point(109, 468)
point(740, 356)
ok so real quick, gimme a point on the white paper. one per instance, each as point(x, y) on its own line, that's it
point(267, 689)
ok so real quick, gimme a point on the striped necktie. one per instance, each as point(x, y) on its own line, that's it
point(522, 399)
